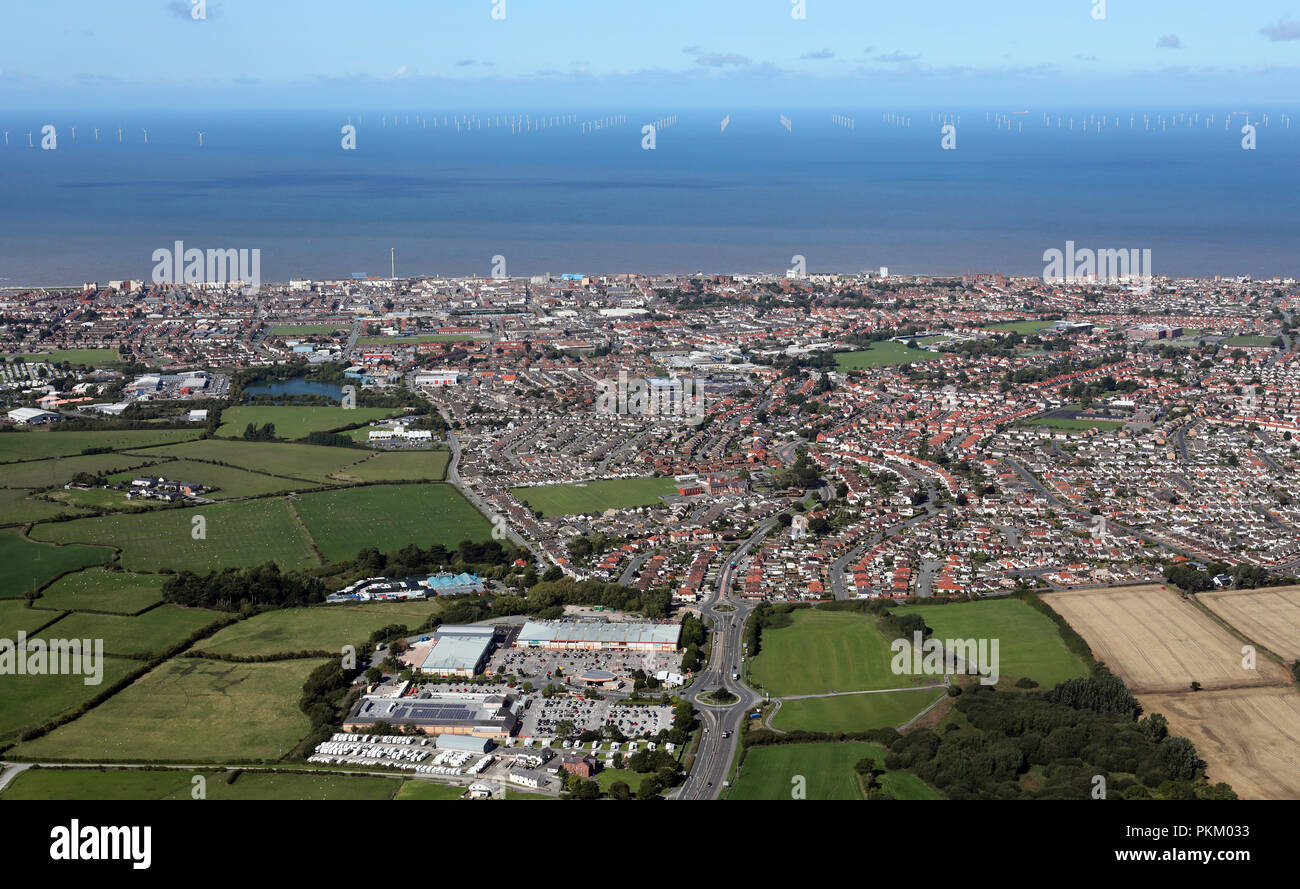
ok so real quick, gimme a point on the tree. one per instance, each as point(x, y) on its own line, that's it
point(650, 787)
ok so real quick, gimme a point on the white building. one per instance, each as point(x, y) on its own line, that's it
point(31, 416)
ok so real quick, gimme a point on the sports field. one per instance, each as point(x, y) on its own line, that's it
point(238, 534)
point(151, 633)
point(320, 628)
point(87, 357)
point(1074, 424)
point(1022, 327)
point(411, 340)
point(29, 566)
point(97, 589)
point(73, 784)
point(825, 651)
point(854, 713)
point(292, 330)
point(882, 354)
point(590, 497)
point(297, 421)
point(1249, 737)
point(190, 710)
point(769, 773)
point(345, 521)
point(1158, 642)
point(1028, 642)
point(40, 443)
point(1269, 616)
point(29, 701)
point(393, 466)
point(294, 461)
point(1249, 341)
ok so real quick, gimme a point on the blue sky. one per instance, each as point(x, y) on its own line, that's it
point(679, 54)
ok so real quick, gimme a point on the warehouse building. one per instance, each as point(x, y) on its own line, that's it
point(599, 635)
point(479, 716)
point(459, 650)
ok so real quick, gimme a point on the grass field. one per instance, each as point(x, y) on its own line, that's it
point(1028, 642)
point(18, 507)
point(16, 617)
point(227, 480)
point(854, 713)
point(88, 357)
point(299, 461)
point(826, 651)
point(590, 497)
point(1021, 327)
point(1269, 617)
point(29, 701)
point(392, 466)
point(292, 330)
point(768, 773)
point(29, 566)
point(40, 443)
point(1157, 642)
point(297, 421)
point(321, 628)
point(1074, 424)
point(411, 340)
point(96, 589)
point(238, 534)
point(190, 710)
point(151, 633)
point(882, 354)
point(141, 784)
point(389, 517)
point(1249, 341)
point(58, 472)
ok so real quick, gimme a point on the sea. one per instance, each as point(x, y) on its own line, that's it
point(834, 190)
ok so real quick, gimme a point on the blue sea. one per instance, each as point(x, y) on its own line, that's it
point(558, 200)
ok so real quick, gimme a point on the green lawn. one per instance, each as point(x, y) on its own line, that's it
point(826, 651)
point(29, 701)
point(292, 330)
point(1021, 327)
point(319, 628)
point(297, 421)
point(141, 784)
point(1028, 642)
point(591, 497)
point(827, 770)
point(1249, 341)
point(238, 534)
point(34, 444)
point(414, 789)
point(29, 566)
point(59, 471)
point(88, 357)
point(151, 633)
point(190, 709)
point(346, 521)
point(392, 466)
point(227, 481)
point(854, 713)
point(296, 461)
point(882, 354)
point(96, 589)
point(1074, 424)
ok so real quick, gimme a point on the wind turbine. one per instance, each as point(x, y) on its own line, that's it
point(200, 138)
point(29, 139)
point(146, 135)
point(96, 129)
point(119, 134)
point(74, 134)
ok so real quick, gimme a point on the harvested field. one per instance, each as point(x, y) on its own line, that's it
point(1269, 617)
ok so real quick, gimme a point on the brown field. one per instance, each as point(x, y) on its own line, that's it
point(1269, 616)
point(1157, 642)
point(1247, 737)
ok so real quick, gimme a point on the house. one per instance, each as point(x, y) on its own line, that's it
point(582, 766)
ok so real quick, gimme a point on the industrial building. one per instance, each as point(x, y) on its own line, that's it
point(459, 650)
point(599, 635)
point(481, 716)
point(31, 416)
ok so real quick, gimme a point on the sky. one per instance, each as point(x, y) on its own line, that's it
point(671, 54)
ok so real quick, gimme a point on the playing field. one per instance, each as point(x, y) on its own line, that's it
point(1074, 424)
point(225, 482)
point(190, 710)
point(320, 628)
point(854, 713)
point(1270, 616)
point(826, 771)
point(346, 521)
point(151, 633)
point(29, 566)
point(882, 354)
point(429, 790)
point(295, 461)
point(139, 784)
point(58, 472)
point(1249, 341)
point(87, 357)
point(40, 443)
point(297, 421)
point(1157, 642)
point(96, 589)
point(592, 497)
point(1247, 737)
point(394, 466)
point(1028, 642)
point(1021, 327)
point(825, 651)
point(422, 338)
point(28, 701)
point(238, 534)
point(291, 330)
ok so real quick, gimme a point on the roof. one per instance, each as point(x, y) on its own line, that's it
point(591, 631)
point(456, 652)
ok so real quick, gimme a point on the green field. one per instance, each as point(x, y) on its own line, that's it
point(1025, 328)
point(1249, 341)
point(29, 701)
point(827, 769)
point(854, 713)
point(1029, 644)
point(29, 566)
point(151, 633)
point(320, 628)
point(96, 589)
point(88, 357)
point(882, 354)
point(590, 497)
point(392, 466)
point(429, 790)
point(411, 340)
point(297, 421)
point(297, 461)
point(58, 472)
point(190, 710)
point(16, 617)
point(1074, 424)
point(292, 330)
point(18, 507)
point(227, 481)
point(346, 521)
point(241, 533)
point(39, 443)
point(826, 651)
point(142, 784)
